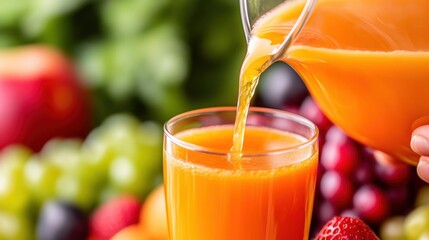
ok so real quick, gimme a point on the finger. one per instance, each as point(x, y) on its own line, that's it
point(423, 168)
point(420, 140)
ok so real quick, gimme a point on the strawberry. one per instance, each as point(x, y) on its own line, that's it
point(113, 216)
point(339, 228)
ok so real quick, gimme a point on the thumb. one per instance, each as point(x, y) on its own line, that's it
point(420, 140)
point(423, 169)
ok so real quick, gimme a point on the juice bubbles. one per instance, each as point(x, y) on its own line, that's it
point(366, 62)
point(270, 196)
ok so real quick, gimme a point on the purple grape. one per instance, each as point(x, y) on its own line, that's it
point(61, 221)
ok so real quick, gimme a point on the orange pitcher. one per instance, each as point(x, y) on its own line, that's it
point(365, 62)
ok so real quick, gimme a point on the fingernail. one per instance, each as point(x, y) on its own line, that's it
point(420, 145)
point(423, 170)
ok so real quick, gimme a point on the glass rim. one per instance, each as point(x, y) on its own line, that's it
point(274, 112)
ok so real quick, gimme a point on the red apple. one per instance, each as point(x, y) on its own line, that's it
point(41, 97)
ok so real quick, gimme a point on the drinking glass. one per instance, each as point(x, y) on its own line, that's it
point(269, 196)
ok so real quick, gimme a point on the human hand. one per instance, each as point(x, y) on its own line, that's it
point(420, 145)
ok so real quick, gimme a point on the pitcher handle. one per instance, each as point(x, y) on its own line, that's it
point(278, 52)
point(245, 20)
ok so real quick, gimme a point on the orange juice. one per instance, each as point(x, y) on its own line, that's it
point(269, 197)
point(364, 61)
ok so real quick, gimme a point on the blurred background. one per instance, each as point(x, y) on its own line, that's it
point(85, 87)
point(152, 58)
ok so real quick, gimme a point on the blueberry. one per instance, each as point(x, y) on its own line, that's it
point(61, 221)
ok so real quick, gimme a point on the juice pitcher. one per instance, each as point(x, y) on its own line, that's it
point(365, 62)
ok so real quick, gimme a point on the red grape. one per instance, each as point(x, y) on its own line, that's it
point(336, 188)
point(340, 156)
point(349, 213)
point(371, 204)
point(393, 174)
point(335, 134)
point(326, 211)
point(367, 155)
point(364, 173)
point(311, 110)
point(291, 108)
point(398, 198)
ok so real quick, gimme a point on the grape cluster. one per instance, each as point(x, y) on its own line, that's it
point(412, 226)
point(353, 183)
point(122, 155)
point(350, 181)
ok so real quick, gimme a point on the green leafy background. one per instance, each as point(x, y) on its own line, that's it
point(153, 58)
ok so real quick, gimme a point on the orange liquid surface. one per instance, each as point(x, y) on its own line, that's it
point(366, 62)
point(268, 197)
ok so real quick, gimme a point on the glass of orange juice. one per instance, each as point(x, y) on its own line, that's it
point(265, 194)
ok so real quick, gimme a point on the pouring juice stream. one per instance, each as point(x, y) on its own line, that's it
point(365, 62)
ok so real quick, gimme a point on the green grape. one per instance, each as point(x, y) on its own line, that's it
point(416, 222)
point(88, 172)
point(76, 190)
point(14, 196)
point(41, 178)
point(97, 156)
point(150, 134)
point(15, 227)
point(13, 158)
point(129, 175)
point(116, 136)
point(15, 152)
point(13, 191)
point(424, 235)
point(393, 229)
point(119, 132)
point(107, 193)
point(73, 160)
point(150, 146)
point(128, 151)
point(119, 126)
point(64, 153)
